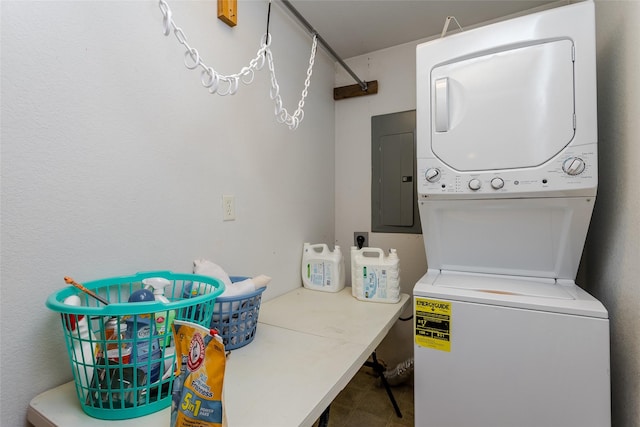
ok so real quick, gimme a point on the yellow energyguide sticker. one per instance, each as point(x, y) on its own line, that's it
point(433, 324)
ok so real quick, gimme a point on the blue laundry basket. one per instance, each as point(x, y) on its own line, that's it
point(236, 318)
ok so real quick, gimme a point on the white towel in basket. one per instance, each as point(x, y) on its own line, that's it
point(232, 289)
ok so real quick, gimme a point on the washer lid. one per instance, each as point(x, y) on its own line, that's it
point(536, 237)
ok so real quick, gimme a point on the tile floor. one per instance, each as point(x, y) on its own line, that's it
point(364, 403)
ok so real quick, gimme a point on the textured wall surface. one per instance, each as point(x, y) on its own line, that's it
point(611, 265)
point(394, 68)
point(115, 160)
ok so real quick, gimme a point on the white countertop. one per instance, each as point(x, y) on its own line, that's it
point(308, 346)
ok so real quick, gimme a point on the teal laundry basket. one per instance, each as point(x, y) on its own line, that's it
point(132, 373)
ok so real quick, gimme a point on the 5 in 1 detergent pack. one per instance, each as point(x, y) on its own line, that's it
point(197, 389)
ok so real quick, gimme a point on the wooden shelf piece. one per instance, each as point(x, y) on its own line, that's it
point(228, 12)
point(351, 91)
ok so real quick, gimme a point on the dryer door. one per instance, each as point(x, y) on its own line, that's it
point(503, 110)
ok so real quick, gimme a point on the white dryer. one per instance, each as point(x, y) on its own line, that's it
point(507, 154)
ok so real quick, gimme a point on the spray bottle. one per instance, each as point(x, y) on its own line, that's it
point(164, 320)
point(83, 343)
point(145, 342)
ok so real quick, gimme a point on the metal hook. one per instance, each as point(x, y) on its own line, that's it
point(166, 16)
point(446, 25)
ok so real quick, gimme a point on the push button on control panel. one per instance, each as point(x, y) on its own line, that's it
point(497, 183)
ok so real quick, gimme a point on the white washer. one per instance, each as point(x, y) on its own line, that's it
point(522, 354)
point(507, 151)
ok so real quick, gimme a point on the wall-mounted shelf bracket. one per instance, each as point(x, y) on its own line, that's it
point(351, 91)
point(228, 12)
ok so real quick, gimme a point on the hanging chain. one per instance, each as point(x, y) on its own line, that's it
point(228, 84)
point(282, 115)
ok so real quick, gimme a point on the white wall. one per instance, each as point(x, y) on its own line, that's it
point(611, 265)
point(394, 68)
point(115, 160)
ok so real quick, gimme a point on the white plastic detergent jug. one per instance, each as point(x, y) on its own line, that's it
point(374, 276)
point(322, 270)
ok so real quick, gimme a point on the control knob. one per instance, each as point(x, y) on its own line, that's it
point(497, 183)
point(573, 166)
point(432, 174)
point(475, 184)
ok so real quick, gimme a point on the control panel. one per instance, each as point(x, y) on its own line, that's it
point(572, 172)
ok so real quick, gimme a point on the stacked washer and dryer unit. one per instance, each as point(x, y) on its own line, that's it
point(507, 160)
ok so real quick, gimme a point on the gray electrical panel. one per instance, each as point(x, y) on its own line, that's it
point(394, 207)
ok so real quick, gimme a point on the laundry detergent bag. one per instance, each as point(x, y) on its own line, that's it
point(200, 365)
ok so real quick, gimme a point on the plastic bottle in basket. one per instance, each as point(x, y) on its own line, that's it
point(83, 343)
point(374, 277)
point(146, 351)
point(118, 350)
point(164, 319)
